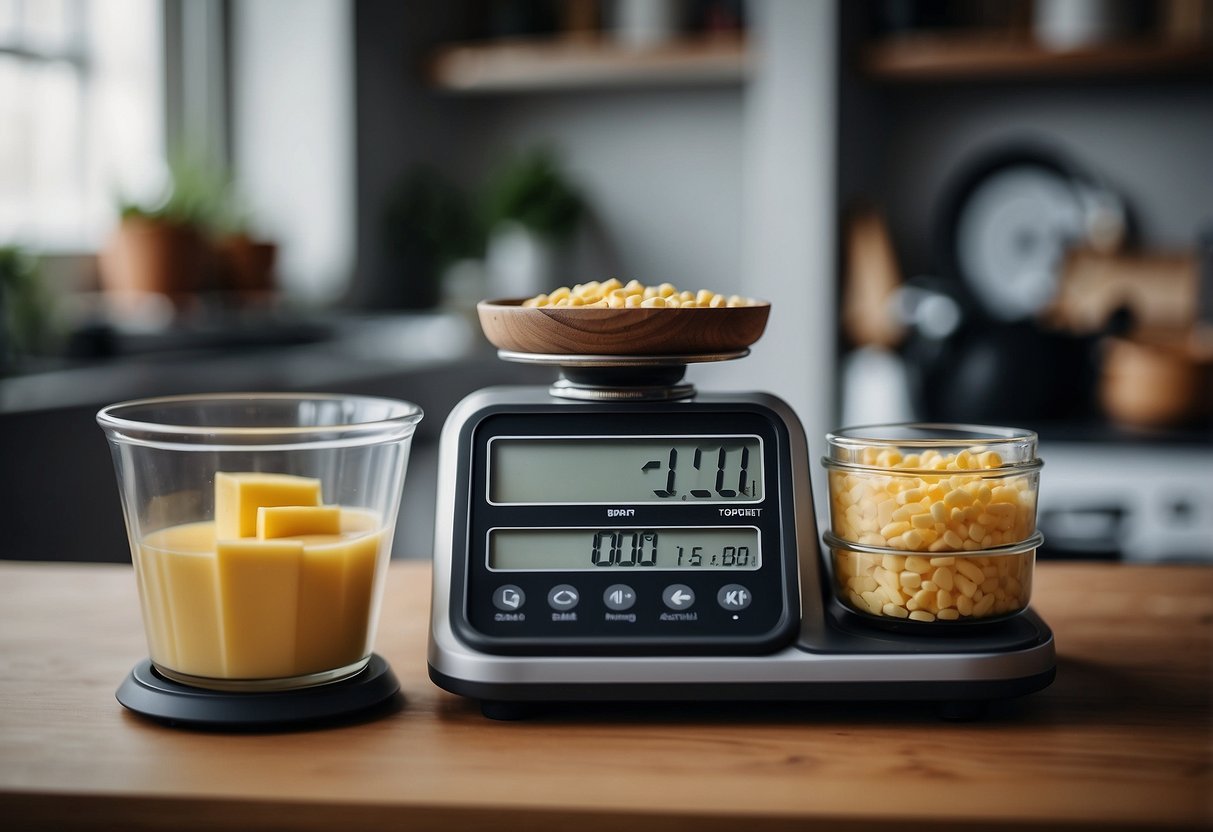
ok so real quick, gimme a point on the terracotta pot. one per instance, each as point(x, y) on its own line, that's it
point(248, 264)
point(154, 256)
point(1156, 381)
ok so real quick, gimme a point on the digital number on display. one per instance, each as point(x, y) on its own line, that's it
point(593, 470)
point(592, 549)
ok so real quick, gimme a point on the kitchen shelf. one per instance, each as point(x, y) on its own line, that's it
point(570, 64)
point(965, 57)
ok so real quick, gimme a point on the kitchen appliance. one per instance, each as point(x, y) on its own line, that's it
point(1005, 225)
point(1008, 219)
point(621, 536)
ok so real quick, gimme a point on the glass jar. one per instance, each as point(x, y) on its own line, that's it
point(933, 522)
point(983, 585)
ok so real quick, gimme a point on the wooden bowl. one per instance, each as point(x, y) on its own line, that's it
point(574, 331)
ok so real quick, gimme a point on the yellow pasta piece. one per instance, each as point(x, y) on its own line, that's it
point(612, 294)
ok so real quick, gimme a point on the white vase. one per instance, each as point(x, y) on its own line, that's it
point(1075, 24)
point(519, 262)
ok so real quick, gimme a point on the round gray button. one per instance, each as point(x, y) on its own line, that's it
point(619, 597)
point(678, 596)
point(733, 597)
point(508, 598)
point(564, 597)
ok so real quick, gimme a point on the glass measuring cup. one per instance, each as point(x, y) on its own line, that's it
point(260, 528)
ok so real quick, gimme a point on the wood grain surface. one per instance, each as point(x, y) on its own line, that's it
point(963, 56)
point(565, 331)
point(578, 63)
point(1123, 738)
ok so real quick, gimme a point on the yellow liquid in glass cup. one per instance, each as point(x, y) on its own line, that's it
point(248, 609)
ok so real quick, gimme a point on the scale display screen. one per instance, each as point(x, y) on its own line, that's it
point(629, 528)
point(668, 469)
point(594, 549)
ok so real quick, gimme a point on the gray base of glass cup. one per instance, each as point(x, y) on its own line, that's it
point(147, 692)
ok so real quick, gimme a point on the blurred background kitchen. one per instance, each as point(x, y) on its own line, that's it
point(991, 212)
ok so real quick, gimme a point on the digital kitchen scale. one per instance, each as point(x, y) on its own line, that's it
point(620, 536)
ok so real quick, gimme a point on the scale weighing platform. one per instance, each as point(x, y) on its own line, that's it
point(620, 537)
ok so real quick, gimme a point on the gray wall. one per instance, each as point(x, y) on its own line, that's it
point(293, 136)
point(662, 170)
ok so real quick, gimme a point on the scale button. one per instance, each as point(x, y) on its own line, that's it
point(508, 598)
point(619, 597)
point(733, 597)
point(678, 596)
point(564, 597)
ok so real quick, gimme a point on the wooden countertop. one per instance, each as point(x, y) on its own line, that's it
point(1123, 738)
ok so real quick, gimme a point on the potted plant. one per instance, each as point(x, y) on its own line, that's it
point(25, 307)
point(531, 210)
point(246, 260)
point(162, 246)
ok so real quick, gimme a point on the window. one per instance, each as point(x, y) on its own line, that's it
point(81, 116)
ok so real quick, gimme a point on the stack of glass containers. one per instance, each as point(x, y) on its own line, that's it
point(932, 525)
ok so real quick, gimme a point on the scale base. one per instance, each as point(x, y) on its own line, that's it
point(952, 700)
point(146, 692)
point(838, 661)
